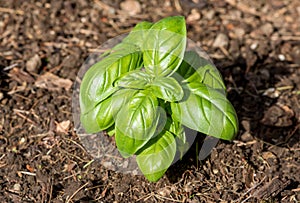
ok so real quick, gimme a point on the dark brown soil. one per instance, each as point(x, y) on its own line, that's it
point(255, 45)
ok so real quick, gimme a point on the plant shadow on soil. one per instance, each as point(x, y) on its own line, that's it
point(272, 124)
point(272, 119)
point(191, 158)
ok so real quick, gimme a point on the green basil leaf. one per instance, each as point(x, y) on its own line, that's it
point(135, 38)
point(167, 88)
point(136, 123)
point(111, 131)
point(120, 99)
point(97, 82)
point(103, 115)
point(157, 155)
point(138, 34)
point(100, 118)
point(191, 62)
point(135, 79)
point(206, 110)
point(195, 68)
point(182, 145)
point(178, 130)
point(209, 76)
point(164, 46)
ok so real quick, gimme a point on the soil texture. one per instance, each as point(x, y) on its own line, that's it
point(254, 44)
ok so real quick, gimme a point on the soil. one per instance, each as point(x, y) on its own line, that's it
point(255, 45)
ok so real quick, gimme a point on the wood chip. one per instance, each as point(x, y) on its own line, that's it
point(278, 115)
point(52, 82)
point(63, 126)
point(271, 189)
point(8, 10)
point(248, 176)
point(20, 76)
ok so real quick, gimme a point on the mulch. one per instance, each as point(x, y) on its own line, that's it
point(254, 44)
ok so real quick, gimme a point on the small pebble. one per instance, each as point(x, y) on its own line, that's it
point(215, 171)
point(253, 46)
point(165, 192)
point(267, 29)
point(125, 164)
point(296, 54)
point(195, 15)
point(272, 93)
point(131, 6)
point(264, 74)
point(33, 63)
point(221, 41)
point(210, 14)
point(239, 32)
point(246, 125)
point(1, 95)
point(17, 187)
point(298, 10)
point(22, 141)
point(281, 57)
point(246, 137)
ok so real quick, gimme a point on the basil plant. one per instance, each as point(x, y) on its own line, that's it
point(147, 88)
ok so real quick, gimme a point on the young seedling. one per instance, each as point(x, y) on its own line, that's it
point(148, 88)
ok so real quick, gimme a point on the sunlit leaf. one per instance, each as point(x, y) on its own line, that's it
point(136, 123)
point(206, 110)
point(164, 46)
point(167, 88)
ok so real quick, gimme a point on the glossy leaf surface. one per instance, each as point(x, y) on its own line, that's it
point(136, 123)
point(167, 88)
point(177, 129)
point(164, 46)
point(157, 156)
point(103, 115)
point(97, 85)
point(196, 69)
point(134, 79)
point(206, 110)
point(100, 118)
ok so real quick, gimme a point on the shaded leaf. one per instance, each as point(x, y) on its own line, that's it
point(178, 130)
point(111, 131)
point(157, 155)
